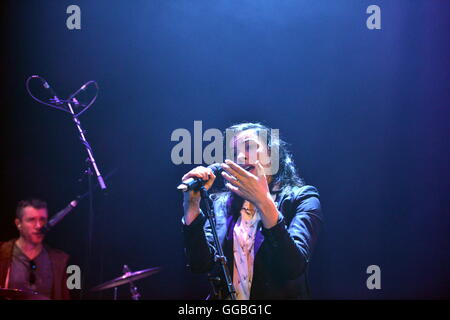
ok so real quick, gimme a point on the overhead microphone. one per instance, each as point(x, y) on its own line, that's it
point(196, 183)
point(45, 84)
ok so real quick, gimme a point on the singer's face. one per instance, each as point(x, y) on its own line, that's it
point(31, 223)
point(248, 148)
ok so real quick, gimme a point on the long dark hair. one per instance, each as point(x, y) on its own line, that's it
point(283, 181)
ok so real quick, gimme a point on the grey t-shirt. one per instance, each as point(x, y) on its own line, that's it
point(21, 274)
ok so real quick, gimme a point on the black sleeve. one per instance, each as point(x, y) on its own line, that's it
point(199, 253)
point(291, 246)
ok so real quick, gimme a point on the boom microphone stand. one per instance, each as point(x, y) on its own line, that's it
point(66, 105)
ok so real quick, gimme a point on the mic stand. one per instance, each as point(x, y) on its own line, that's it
point(101, 183)
point(219, 252)
point(88, 172)
point(88, 148)
point(56, 103)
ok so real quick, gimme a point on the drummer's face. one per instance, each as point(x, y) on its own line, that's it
point(31, 223)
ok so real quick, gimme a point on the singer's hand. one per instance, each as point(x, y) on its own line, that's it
point(252, 187)
point(191, 201)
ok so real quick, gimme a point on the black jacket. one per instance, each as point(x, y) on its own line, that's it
point(282, 252)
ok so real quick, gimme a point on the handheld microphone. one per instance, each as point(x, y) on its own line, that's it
point(58, 217)
point(197, 183)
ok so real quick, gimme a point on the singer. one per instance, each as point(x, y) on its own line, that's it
point(27, 263)
point(268, 224)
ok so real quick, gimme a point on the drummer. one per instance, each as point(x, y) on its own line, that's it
point(27, 263)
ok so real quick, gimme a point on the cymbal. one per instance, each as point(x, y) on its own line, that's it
point(18, 294)
point(126, 278)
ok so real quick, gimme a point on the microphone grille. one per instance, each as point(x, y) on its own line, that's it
point(216, 168)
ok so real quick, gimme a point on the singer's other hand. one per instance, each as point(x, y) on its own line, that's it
point(191, 199)
point(252, 187)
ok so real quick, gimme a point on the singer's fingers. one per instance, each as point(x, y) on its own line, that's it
point(202, 172)
point(259, 169)
point(231, 171)
point(210, 182)
point(230, 179)
point(237, 168)
point(210, 173)
point(191, 175)
point(234, 189)
point(198, 172)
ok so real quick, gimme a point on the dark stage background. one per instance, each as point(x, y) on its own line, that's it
point(366, 113)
